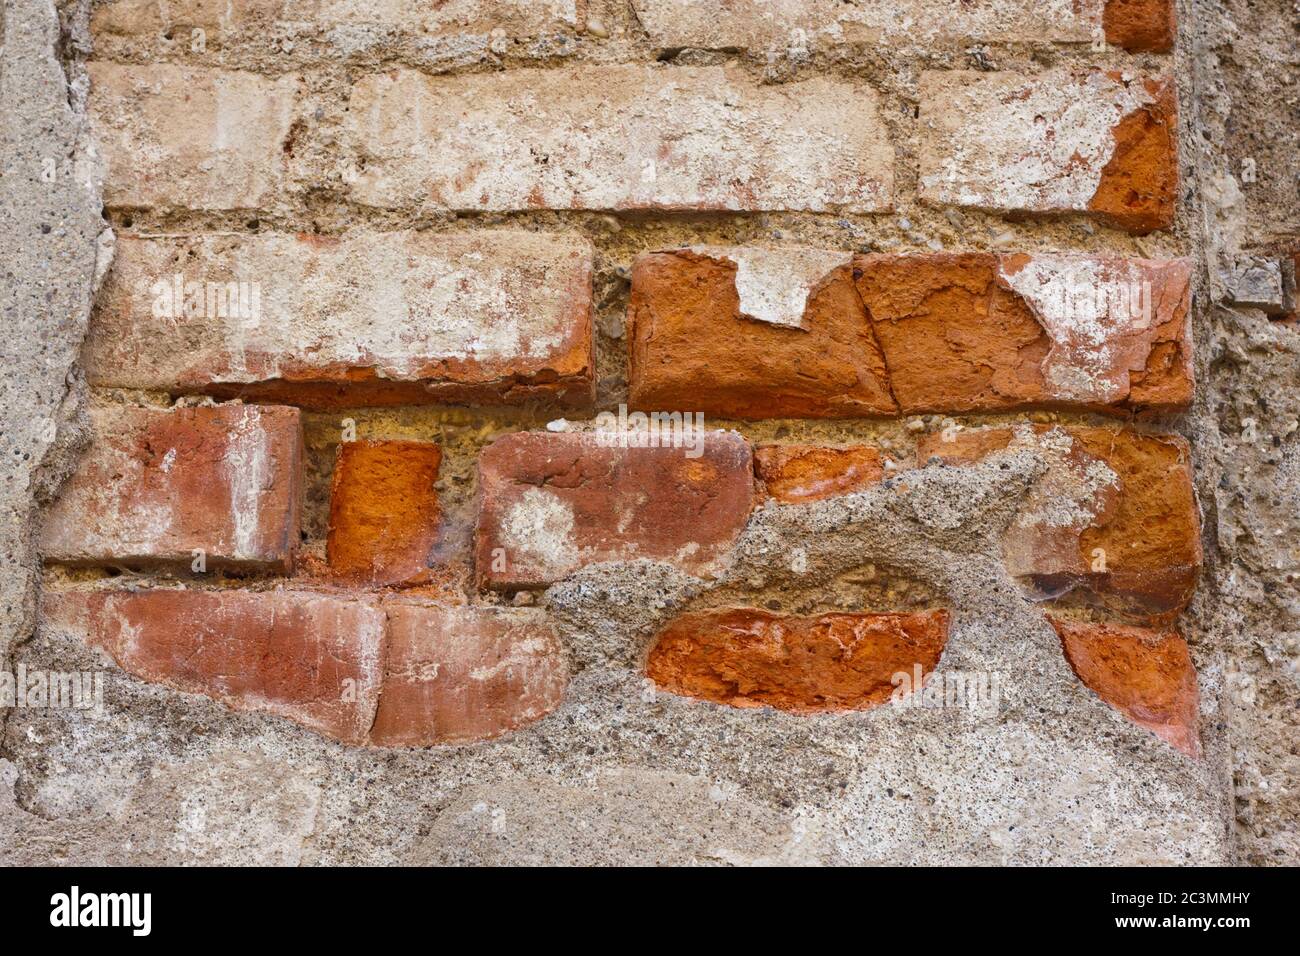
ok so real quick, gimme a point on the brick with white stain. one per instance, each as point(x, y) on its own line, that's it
point(618, 138)
point(761, 25)
point(550, 504)
point(1095, 142)
point(156, 486)
point(189, 137)
point(367, 318)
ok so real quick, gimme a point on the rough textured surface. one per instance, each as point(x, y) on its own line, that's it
point(1056, 143)
point(752, 333)
point(550, 504)
point(1115, 515)
point(1147, 675)
point(619, 773)
point(370, 318)
point(690, 138)
point(832, 662)
point(777, 24)
point(794, 474)
point(157, 486)
point(384, 512)
point(315, 659)
point(455, 675)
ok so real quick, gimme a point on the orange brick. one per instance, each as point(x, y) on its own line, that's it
point(749, 658)
point(157, 485)
point(1114, 518)
point(1145, 674)
point(795, 474)
point(384, 511)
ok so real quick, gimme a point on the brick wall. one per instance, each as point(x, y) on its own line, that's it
point(383, 279)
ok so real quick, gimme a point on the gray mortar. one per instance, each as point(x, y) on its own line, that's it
point(621, 773)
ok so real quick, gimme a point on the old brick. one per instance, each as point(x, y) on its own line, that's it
point(191, 138)
point(367, 319)
point(831, 662)
point(1114, 517)
point(795, 474)
point(465, 24)
point(552, 503)
point(1056, 143)
point(1140, 25)
point(982, 332)
point(1145, 674)
point(753, 333)
point(618, 137)
point(455, 675)
point(757, 333)
point(157, 485)
point(312, 658)
point(778, 24)
point(384, 511)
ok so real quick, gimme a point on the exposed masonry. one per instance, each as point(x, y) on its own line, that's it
point(857, 514)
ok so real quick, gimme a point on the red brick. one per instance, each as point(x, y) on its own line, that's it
point(312, 658)
point(1140, 25)
point(1055, 143)
point(618, 137)
point(758, 333)
point(1112, 493)
point(831, 662)
point(384, 511)
point(156, 485)
point(552, 503)
point(370, 318)
point(794, 474)
point(455, 675)
point(1145, 674)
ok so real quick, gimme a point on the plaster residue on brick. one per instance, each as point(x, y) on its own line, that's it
point(1100, 315)
point(702, 138)
point(773, 284)
point(538, 528)
point(1002, 141)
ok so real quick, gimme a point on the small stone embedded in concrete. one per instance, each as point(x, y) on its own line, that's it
point(196, 489)
point(1258, 284)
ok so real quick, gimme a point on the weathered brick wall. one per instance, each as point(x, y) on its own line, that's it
point(925, 274)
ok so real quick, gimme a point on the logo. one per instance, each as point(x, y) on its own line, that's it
point(103, 909)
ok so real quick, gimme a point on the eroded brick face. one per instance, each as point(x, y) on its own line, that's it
point(384, 512)
point(315, 659)
point(754, 333)
point(371, 318)
point(1145, 674)
point(455, 675)
point(795, 474)
point(1057, 143)
point(1114, 518)
point(744, 657)
point(551, 503)
point(156, 486)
